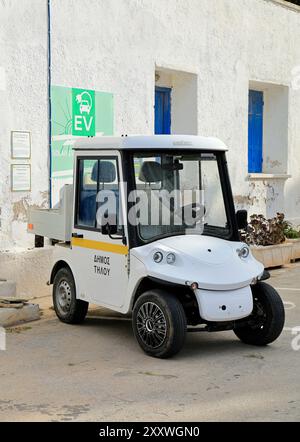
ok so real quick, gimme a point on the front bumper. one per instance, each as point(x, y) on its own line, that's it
point(227, 305)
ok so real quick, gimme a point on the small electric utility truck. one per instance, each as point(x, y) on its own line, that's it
point(149, 228)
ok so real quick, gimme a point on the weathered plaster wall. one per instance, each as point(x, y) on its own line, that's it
point(23, 106)
point(115, 46)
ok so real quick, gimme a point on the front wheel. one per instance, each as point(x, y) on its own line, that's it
point(159, 323)
point(267, 320)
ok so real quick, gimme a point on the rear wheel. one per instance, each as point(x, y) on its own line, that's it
point(267, 320)
point(159, 323)
point(67, 308)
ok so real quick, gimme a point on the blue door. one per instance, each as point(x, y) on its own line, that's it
point(162, 111)
point(255, 131)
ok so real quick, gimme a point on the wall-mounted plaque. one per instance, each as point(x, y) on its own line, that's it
point(20, 145)
point(20, 177)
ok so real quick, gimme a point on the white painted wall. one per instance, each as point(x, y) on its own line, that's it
point(116, 46)
point(23, 106)
point(276, 129)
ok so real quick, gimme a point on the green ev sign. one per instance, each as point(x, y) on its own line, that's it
point(83, 113)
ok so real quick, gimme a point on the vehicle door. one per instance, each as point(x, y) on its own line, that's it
point(100, 260)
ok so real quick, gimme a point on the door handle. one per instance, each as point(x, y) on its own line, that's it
point(77, 235)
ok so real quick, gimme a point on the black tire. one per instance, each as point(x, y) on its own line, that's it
point(67, 308)
point(166, 319)
point(267, 320)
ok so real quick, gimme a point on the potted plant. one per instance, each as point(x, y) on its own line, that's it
point(293, 237)
point(267, 240)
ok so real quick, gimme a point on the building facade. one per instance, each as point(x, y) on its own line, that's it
point(223, 68)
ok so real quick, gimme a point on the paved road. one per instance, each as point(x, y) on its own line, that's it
point(96, 371)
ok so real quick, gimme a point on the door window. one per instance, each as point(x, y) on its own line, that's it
point(97, 180)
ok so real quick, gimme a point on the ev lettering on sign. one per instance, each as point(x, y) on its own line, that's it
point(83, 113)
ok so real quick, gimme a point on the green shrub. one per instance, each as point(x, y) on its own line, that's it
point(291, 233)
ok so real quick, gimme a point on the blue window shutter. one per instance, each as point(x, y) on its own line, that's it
point(255, 131)
point(162, 111)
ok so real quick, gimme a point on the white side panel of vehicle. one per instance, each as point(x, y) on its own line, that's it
point(63, 252)
point(226, 305)
point(95, 290)
point(101, 269)
point(138, 271)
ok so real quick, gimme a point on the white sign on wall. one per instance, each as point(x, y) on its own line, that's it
point(20, 145)
point(20, 177)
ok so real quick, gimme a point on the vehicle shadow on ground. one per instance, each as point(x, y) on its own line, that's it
point(202, 343)
point(116, 326)
point(211, 344)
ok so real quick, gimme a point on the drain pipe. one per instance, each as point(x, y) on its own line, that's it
point(49, 101)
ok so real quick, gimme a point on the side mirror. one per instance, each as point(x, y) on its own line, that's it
point(242, 219)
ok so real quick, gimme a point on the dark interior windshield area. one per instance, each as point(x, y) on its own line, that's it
point(178, 194)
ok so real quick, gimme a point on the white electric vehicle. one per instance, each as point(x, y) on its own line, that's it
point(115, 248)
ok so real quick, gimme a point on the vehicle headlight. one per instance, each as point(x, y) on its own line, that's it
point(243, 252)
point(158, 257)
point(171, 258)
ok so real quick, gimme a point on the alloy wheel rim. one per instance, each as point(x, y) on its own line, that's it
point(151, 325)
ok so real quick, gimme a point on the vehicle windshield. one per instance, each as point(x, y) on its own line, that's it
point(178, 194)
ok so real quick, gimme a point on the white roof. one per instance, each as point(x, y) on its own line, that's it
point(150, 142)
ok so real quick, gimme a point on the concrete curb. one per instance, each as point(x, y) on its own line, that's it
point(13, 316)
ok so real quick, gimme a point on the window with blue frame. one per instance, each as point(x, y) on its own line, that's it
point(162, 111)
point(255, 131)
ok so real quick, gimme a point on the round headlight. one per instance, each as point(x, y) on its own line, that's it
point(171, 258)
point(244, 252)
point(158, 257)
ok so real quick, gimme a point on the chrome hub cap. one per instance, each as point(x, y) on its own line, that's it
point(151, 324)
point(64, 297)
